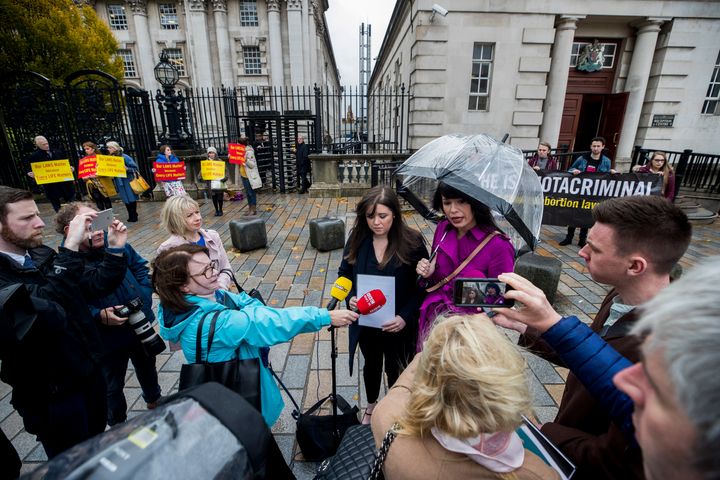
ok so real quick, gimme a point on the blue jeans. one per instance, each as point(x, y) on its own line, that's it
point(115, 367)
point(249, 192)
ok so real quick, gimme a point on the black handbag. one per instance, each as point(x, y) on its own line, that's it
point(356, 457)
point(241, 376)
point(318, 436)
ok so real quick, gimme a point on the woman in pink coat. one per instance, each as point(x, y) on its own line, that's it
point(180, 216)
point(467, 223)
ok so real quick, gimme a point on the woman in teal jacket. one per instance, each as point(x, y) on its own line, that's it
point(186, 280)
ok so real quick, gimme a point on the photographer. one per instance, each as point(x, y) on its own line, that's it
point(58, 387)
point(119, 336)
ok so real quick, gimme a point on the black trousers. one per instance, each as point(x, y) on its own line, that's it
point(377, 346)
point(217, 199)
point(304, 174)
point(57, 191)
point(583, 233)
point(9, 460)
point(64, 420)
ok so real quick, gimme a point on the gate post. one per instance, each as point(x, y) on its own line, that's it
point(318, 118)
point(682, 166)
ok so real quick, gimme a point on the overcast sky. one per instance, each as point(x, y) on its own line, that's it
point(344, 18)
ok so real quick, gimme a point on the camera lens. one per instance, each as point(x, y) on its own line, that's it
point(151, 341)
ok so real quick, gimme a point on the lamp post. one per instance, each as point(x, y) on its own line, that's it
point(173, 115)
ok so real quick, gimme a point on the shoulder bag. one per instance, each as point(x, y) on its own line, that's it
point(464, 264)
point(241, 376)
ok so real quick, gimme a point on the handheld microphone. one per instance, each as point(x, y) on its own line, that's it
point(371, 302)
point(339, 291)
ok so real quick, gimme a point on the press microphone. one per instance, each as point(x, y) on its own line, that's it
point(371, 302)
point(339, 291)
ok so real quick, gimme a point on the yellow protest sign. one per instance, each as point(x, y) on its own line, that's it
point(110, 166)
point(212, 169)
point(52, 171)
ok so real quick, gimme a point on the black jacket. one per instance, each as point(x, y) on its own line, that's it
point(302, 154)
point(408, 295)
point(62, 348)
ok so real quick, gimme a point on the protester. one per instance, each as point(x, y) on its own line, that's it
point(216, 188)
point(382, 244)
point(302, 157)
point(597, 162)
point(468, 223)
point(170, 187)
point(542, 160)
point(117, 335)
point(186, 280)
point(53, 191)
point(58, 386)
point(671, 403)
point(250, 176)
point(632, 247)
point(180, 217)
point(100, 189)
point(659, 165)
point(128, 196)
point(457, 407)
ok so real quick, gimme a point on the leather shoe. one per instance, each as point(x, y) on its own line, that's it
point(566, 241)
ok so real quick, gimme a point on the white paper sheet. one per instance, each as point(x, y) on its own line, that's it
point(386, 285)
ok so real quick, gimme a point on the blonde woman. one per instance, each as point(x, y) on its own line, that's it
point(180, 216)
point(457, 407)
point(659, 165)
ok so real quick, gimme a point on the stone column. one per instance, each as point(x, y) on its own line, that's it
point(227, 76)
point(314, 18)
point(277, 73)
point(295, 41)
point(146, 57)
point(558, 78)
point(199, 45)
point(636, 85)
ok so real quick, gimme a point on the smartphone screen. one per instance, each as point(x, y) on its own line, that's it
point(103, 220)
point(481, 292)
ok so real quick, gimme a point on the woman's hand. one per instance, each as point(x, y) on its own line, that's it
point(425, 268)
point(342, 318)
point(395, 325)
point(108, 317)
point(353, 303)
point(636, 168)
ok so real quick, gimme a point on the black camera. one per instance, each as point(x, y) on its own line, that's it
point(150, 340)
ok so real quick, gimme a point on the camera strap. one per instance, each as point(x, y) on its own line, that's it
point(464, 264)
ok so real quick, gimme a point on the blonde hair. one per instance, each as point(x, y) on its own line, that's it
point(116, 146)
point(172, 215)
point(470, 380)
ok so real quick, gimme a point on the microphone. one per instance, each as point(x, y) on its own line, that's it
point(339, 291)
point(371, 302)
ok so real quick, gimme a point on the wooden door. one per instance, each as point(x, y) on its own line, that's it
point(570, 120)
point(612, 121)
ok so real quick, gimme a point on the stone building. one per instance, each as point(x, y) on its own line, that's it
point(224, 42)
point(638, 72)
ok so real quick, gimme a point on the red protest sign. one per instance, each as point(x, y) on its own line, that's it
point(236, 153)
point(166, 172)
point(87, 167)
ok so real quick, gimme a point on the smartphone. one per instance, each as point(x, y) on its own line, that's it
point(481, 292)
point(103, 220)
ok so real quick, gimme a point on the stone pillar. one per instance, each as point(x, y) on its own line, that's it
point(314, 18)
point(558, 78)
point(277, 73)
point(227, 76)
point(146, 57)
point(636, 85)
point(199, 45)
point(295, 41)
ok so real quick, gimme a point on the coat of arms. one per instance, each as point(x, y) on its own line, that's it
point(592, 58)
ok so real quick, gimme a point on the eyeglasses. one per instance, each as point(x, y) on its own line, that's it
point(208, 271)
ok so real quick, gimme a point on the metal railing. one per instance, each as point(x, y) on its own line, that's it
point(695, 171)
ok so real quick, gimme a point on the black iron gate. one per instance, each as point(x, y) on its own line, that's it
point(90, 106)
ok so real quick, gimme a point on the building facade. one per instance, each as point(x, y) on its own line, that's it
point(234, 43)
point(638, 72)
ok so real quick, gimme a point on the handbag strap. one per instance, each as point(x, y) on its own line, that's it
point(460, 267)
point(383, 451)
point(198, 337)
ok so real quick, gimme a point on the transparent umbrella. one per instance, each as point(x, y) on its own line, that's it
point(492, 172)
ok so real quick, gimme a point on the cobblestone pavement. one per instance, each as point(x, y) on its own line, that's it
point(290, 272)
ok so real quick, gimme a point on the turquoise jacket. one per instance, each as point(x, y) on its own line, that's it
point(245, 323)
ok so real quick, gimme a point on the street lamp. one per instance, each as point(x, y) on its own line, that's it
point(173, 115)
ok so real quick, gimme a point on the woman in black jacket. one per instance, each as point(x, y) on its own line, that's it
point(382, 244)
